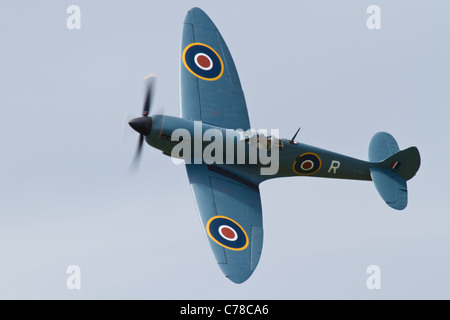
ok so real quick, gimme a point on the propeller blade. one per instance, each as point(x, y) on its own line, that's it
point(143, 125)
point(137, 156)
point(149, 88)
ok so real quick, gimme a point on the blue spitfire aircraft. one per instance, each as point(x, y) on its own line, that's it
point(227, 195)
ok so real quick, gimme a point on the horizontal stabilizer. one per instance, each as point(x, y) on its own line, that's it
point(392, 168)
point(382, 146)
point(391, 187)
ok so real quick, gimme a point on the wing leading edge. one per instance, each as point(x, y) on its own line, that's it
point(231, 215)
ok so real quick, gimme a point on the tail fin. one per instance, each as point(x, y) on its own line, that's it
point(392, 168)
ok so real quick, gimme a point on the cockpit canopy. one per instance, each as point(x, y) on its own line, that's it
point(261, 140)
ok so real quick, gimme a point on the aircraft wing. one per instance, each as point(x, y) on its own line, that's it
point(231, 214)
point(210, 87)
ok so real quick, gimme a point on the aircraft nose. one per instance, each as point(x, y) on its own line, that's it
point(143, 125)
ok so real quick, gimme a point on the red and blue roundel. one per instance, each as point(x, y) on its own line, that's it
point(203, 61)
point(227, 233)
point(307, 163)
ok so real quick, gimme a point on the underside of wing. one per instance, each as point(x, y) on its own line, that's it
point(210, 87)
point(231, 215)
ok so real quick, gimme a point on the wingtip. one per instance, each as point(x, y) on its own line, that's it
point(197, 16)
point(235, 274)
point(196, 9)
point(237, 280)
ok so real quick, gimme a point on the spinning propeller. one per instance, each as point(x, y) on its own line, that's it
point(143, 125)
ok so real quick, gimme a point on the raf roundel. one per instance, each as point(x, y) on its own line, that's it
point(227, 233)
point(307, 163)
point(203, 61)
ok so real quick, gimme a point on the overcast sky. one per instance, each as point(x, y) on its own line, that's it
point(67, 197)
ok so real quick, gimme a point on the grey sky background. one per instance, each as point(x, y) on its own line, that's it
point(67, 197)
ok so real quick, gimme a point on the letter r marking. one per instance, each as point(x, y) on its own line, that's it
point(334, 166)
